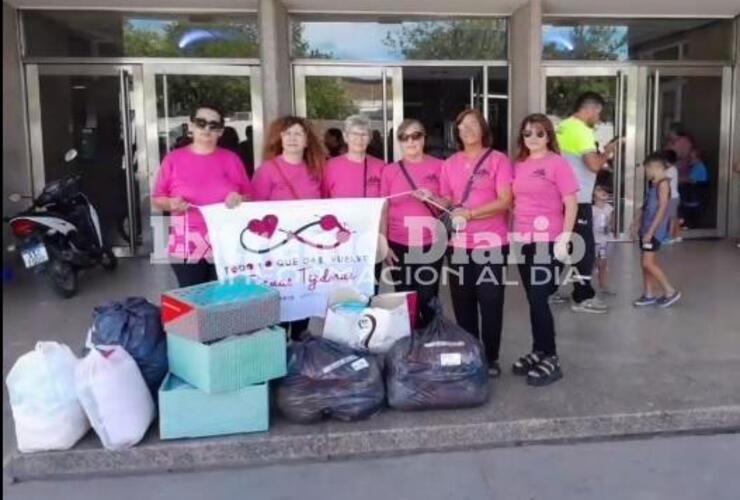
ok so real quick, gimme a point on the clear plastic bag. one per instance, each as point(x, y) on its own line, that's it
point(328, 380)
point(41, 389)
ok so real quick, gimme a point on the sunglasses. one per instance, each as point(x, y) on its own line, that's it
point(540, 134)
point(203, 124)
point(413, 136)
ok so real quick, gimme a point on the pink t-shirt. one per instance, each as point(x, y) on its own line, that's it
point(539, 188)
point(199, 179)
point(425, 175)
point(493, 177)
point(270, 185)
point(344, 178)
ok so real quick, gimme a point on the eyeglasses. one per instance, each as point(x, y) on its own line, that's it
point(413, 136)
point(203, 124)
point(361, 135)
point(529, 133)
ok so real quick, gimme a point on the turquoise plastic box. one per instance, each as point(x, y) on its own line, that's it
point(231, 363)
point(214, 310)
point(186, 412)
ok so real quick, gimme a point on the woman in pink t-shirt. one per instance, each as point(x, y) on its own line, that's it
point(354, 174)
point(477, 184)
point(294, 162)
point(411, 222)
point(292, 170)
point(545, 207)
point(200, 173)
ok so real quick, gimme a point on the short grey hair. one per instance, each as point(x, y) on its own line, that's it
point(356, 121)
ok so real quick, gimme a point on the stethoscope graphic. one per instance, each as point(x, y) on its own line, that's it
point(326, 222)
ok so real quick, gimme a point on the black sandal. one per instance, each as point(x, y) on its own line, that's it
point(545, 372)
point(526, 363)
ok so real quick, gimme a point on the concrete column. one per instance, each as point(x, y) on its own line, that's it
point(734, 199)
point(525, 57)
point(16, 164)
point(274, 25)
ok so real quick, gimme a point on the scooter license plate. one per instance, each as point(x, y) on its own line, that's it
point(34, 255)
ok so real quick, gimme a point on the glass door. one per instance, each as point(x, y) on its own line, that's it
point(562, 86)
point(173, 90)
point(688, 111)
point(329, 94)
point(96, 109)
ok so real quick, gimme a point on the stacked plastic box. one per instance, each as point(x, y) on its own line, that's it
point(223, 347)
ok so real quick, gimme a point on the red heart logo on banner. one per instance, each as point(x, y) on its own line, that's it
point(265, 227)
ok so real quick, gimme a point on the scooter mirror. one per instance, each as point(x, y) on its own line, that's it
point(15, 197)
point(70, 155)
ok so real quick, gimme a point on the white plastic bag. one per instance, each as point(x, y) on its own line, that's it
point(41, 389)
point(115, 397)
point(375, 328)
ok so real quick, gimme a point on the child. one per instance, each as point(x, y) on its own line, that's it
point(652, 221)
point(603, 213)
point(672, 172)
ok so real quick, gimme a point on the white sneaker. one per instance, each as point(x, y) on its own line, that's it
point(593, 306)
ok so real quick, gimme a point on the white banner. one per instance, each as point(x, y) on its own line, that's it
point(305, 249)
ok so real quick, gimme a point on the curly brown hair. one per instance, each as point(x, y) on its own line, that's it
point(314, 155)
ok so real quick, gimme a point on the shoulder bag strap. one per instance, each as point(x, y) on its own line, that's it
point(413, 185)
point(469, 185)
point(364, 186)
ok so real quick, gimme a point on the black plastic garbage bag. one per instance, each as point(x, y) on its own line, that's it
point(136, 325)
point(439, 366)
point(328, 380)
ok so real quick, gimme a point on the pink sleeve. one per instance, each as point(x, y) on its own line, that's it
point(262, 183)
point(238, 175)
point(565, 179)
point(504, 173)
point(445, 189)
point(163, 185)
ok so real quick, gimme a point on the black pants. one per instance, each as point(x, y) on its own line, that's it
point(584, 227)
point(189, 274)
point(423, 279)
point(539, 280)
point(479, 289)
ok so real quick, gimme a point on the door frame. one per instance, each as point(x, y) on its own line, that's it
point(33, 73)
point(394, 74)
point(724, 170)
point(628, 103)
point(150, 73)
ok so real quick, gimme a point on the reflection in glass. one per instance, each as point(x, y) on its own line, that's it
point(689, 110)
point(631, 39)
point(394, 40)
point(435, 96)
point(115, 34)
